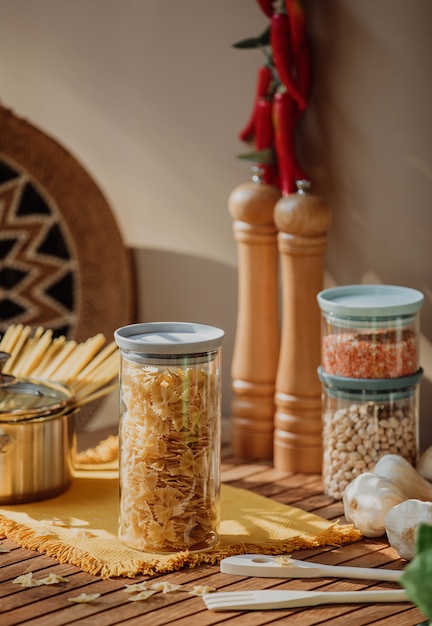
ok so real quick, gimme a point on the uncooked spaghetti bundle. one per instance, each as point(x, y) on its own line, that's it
point(89, 368)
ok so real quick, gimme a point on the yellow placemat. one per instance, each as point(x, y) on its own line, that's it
point(80, 527)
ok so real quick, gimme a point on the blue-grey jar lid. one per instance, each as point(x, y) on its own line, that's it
point(370, 384)
point(370, 300)
point(370, 390)
point(168, 338)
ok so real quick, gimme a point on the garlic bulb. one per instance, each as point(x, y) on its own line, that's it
point(367, 499)
point(401, 523)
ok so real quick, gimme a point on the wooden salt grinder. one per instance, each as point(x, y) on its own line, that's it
point(256, 346)
point(303, 220)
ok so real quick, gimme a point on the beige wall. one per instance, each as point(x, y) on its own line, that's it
point(367, 143)
point(150, 95)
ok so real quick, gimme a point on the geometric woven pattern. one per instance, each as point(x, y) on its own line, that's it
point(39, 270)
point(63, 262)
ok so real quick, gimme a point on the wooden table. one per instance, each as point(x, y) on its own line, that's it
point(50, 605)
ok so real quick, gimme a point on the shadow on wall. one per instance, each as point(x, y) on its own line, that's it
point(178, 287)
point(182, 288)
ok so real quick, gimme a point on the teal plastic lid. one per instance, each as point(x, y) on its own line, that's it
point(369, 384)
point(370, 300)
point(165, 338)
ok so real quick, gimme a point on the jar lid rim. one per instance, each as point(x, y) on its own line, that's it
point(370, 300)
point(369, 384)
point(168, 338)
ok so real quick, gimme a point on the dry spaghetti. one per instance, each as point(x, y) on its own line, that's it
point(87, 368)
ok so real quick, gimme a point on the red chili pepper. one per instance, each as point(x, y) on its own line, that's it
point(282, 55)
point(264, 136)
point(284, 113)
point(263, 85)
point(266, 7)
point(301, 49)
point(297, 22)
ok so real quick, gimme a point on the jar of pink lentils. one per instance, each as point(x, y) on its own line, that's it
point(370, 331)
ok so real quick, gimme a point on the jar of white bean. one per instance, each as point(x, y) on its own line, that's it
point(364, 419)
point(169, 432)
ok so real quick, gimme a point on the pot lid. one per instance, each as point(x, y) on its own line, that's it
point(22, 399)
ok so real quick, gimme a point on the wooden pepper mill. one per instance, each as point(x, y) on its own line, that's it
point(303, 220)
point(257, 341)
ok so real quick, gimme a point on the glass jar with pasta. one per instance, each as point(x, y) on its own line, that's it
point(170, 410)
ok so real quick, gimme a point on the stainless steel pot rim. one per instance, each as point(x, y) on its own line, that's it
point(39, 418)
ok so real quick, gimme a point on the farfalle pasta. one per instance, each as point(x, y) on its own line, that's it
point(169, 455)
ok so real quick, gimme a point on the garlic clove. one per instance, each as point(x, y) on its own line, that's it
point(397, 469)
point(401, 524)
point(367, 499)
point(424, 465)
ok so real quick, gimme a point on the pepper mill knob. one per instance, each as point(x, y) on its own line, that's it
point(303, 186)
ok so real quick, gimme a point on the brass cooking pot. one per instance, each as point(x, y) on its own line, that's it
point(37, 438)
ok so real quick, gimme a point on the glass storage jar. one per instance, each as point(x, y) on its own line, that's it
point(370, 331)
point(170, 414)
point(362, 421)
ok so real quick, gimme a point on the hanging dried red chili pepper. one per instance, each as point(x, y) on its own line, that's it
point(266, 7)
point(274, 117)
point(282, 55)
point(300, 46)
point(297, 26)
point(284, 119)
point(263, 86)
point(264, 138)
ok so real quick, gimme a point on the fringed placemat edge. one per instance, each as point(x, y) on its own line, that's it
point(153, 565)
